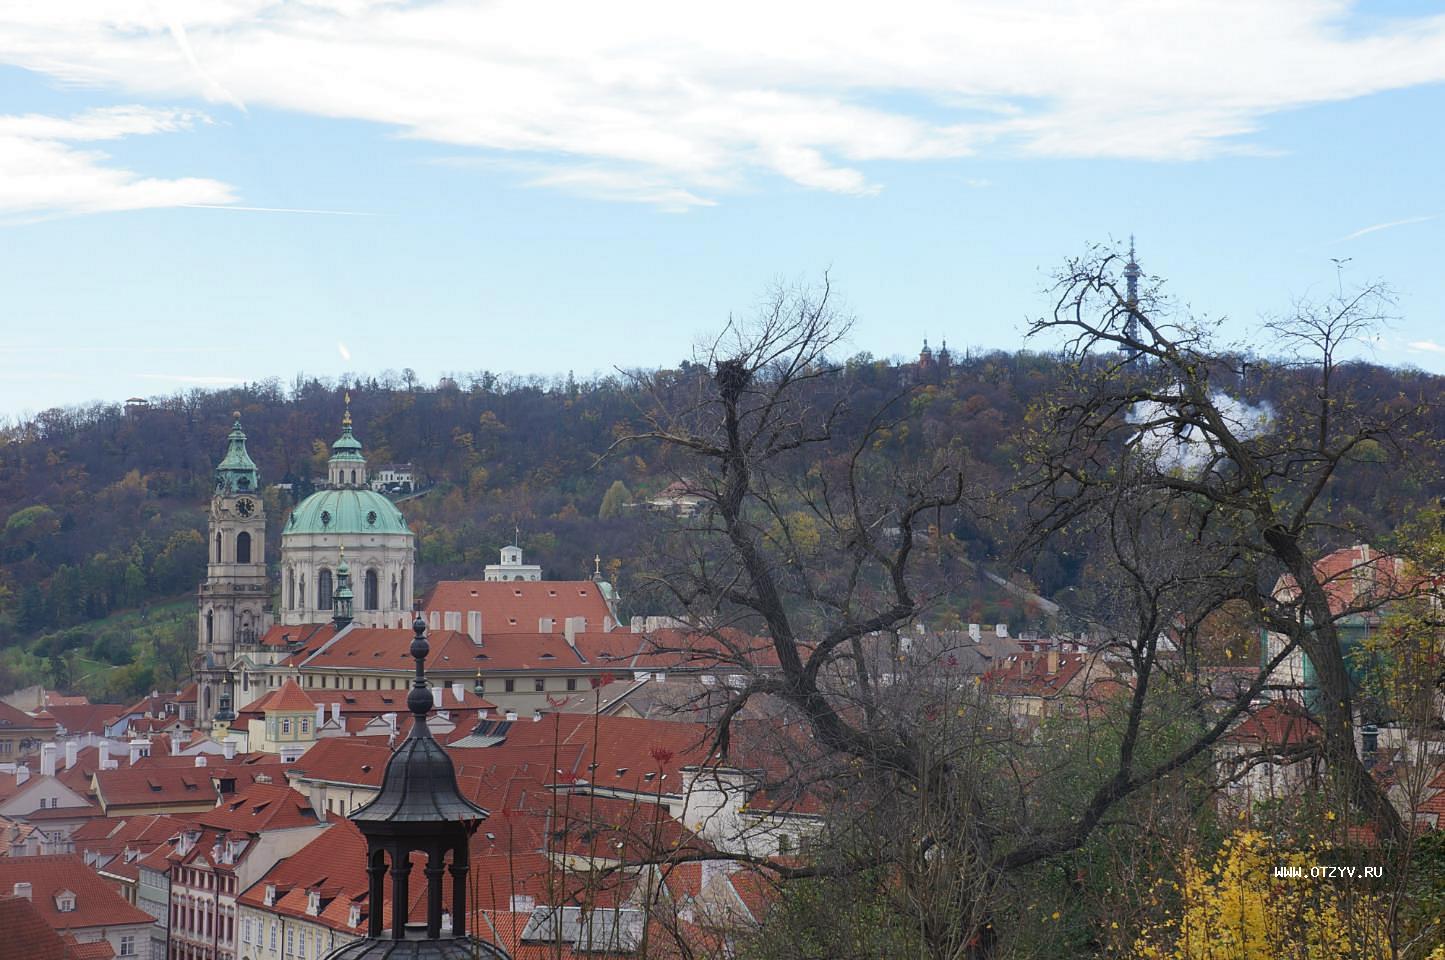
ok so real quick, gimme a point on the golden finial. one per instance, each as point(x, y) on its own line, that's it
point(346, 417)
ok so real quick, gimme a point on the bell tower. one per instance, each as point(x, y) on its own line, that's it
point(232, 602)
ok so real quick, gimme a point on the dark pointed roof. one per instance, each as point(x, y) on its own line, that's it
point(420, 785)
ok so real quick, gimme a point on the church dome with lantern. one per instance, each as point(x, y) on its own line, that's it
point(348, 517)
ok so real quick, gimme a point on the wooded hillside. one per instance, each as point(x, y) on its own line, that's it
point(103, 507)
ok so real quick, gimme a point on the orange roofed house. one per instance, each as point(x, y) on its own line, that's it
point(75, 901)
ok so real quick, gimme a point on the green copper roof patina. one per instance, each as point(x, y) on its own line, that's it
point(348, 510)
point(237, 473)
point(347, 447)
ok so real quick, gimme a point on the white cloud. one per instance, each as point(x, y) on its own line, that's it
point(673, 104)
point(343, 351)
point(1426, 346)
point(43, 172)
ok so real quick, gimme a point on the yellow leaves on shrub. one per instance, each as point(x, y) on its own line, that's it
point(1238, 908)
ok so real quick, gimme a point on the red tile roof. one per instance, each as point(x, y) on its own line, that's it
point(157, 781)
point(1278, 723)
point(86, 717)
point(363, 705)
point(1355, 576)
point(96, 902)
point(13, 719)
point(282, 635)
point(289, 698)
point(343, 760)
point(517, 606)
point(1028, 674)
point(259, 807)
point(27, 934)
point(95, 950)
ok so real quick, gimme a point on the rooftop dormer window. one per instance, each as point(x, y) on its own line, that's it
point(65, 901)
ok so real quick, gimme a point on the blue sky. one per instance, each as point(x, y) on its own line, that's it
point(223, 190)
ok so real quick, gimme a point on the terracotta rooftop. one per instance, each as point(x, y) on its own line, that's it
point(13, 719)
point(86, 717)
point(1278, 723)
point(517, 606)
point(1356, 577)
point(97, 903)
point(27, 934)
point(260, 807)
point(158, 781)
point(282, 635)
point(288, 698)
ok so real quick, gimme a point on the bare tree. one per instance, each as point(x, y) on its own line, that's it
point(1151, 406)
point(805, 573)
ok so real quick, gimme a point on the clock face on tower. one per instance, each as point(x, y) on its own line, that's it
point(245, 507)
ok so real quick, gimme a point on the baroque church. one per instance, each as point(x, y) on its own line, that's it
point(342, 535)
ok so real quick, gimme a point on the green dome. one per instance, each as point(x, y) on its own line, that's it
point(347, 510)
point(236, 473)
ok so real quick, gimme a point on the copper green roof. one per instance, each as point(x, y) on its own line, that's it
point(237, 473)
point(348, 510)
point(346, 447)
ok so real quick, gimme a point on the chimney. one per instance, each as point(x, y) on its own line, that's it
point(536, 716)
point(457, 692)
point(320, 715)
point(22, 890)
point(544, 624)
point(474, 626)
point(228, 748)
point(512, 716)
point(975, 632)
point(200, 760)
point(436, 698)
point(390, 722)
point(22, 775)
point(72, 752)
point(607, 624)
point(434, 620)
point(134, 749)
point(573, 626)
point(318, 801)
point(636, 625)
point(336, 713)
point(1053, 662)
point(452, 620)
point(105, 755)
point(1000, 630)
point(48, 752)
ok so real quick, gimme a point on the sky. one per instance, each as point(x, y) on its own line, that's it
point(198, 193)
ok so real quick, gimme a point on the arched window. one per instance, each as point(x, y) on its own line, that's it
point(372, 591)
point(290, 588)
point(405, 597)
point(243, 547)
point(353, 478)
point(393, 592)
point(218, 547)
point(210, 625)
point(323, 590)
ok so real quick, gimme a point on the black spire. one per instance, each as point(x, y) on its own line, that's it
point(419, 808)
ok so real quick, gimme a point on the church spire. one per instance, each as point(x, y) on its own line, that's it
point(341, 600)
point(236, 473)
point(347, 466)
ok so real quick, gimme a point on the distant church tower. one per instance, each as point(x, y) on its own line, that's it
point(232, 602)
point(347, 518)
